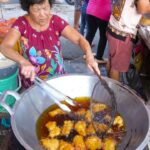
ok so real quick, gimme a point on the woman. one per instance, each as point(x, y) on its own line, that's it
point(39, 32)
point(98, 14)
point(83, 17)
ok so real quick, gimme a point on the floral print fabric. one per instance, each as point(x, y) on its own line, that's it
point(42, 49)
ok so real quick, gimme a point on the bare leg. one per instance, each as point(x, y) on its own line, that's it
point(108, 66)
point(77, 14)
point(114, 74)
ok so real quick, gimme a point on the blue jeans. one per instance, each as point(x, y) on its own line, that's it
point(83, 19)
point(78, 4)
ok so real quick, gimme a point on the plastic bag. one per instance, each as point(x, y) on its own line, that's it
point(144, 32)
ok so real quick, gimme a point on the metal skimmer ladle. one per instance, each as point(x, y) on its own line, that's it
point(48, 88)
point(99, 118)
point(105, 84)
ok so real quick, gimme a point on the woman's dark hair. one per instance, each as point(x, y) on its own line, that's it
point(25, 4)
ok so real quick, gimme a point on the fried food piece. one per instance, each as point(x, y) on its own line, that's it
point(50, 144)
point(80, 127)
point(65, 146)
point(79, 142)
point(100, 127)
point(118, 121)
point(90, 129)
point(55, 132)
point(53, 129)
point(51, 125)
point(67, 127)
point(81, 112)
point(88, 116)
point(108, 118)
point(99, 107)
point(56, 112)
point(110, 131)
point(109, 144)
point(93, 143)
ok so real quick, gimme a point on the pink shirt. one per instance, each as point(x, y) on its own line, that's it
point(100, 9)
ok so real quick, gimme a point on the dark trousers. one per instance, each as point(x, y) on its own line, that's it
point(94, 23)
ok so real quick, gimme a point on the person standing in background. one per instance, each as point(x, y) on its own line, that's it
point(121, 33)
point(83, 24)
point(77, 13)
point(98, 14)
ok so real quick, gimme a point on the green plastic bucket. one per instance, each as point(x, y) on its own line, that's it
point(9, 83)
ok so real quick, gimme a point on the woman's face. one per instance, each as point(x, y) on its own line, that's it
point(40, 13)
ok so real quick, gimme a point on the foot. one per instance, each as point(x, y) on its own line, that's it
point(101, 61)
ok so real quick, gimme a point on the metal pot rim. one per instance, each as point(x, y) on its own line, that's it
point(142, 144)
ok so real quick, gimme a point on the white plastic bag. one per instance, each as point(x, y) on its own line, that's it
point(144, 32)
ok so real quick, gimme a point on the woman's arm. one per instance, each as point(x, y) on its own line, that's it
point(75, 37)
point(7, 49)
point(143, 6)
point(7, 46)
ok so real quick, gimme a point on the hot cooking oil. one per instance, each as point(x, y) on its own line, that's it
point(116, 133)
point(41, 130)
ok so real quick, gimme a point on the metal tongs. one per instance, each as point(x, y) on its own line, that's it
point(48, 88)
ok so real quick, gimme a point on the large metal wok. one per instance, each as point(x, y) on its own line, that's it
point(34, 101)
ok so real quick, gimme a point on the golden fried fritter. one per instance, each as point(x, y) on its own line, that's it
point(51, 125)
point(109, 144)
point(55, 112)
point(79, 143)
point(100, 127)
point(54, 132)
point(118, 121)
point(53, 129)
point(108, 118)
point(67, 127)
point(65, 146)
point(110, 131)
point(50, 144)
point(99, 107)
point(81, 112)
point(80, 127)
point(93, 143)
point(88, 116)
point(90, 129)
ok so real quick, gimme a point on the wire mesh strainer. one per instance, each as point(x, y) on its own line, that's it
point(103, 107)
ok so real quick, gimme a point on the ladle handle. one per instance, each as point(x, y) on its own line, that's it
point(100, 78)
point(105, 84)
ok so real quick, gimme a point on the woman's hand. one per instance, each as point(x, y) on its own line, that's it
point(92, 64)
point(28, 70)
